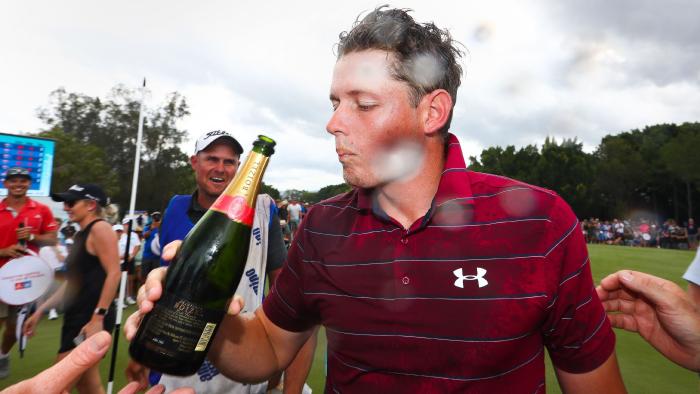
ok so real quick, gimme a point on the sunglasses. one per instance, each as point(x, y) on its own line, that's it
point(71, 204)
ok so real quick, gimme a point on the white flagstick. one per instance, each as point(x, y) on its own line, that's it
point(120, 308)
point(139, 134)
point(115, 333)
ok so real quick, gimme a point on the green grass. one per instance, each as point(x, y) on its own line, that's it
point(643, 369)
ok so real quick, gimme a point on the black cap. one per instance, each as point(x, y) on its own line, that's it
point(82, 191)
point(17, 171)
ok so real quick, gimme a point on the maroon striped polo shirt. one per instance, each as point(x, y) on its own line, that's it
point(465, 300)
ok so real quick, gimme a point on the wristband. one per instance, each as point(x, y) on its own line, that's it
point(31, 237)
point(100, 311)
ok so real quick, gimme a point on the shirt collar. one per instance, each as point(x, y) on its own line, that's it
point(194, 204)
point(29, 204)
point(454, 182)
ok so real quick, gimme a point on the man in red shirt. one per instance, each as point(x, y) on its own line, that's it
point(427, 277)
point(24, 224)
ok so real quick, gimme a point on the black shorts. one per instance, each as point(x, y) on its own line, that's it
point(73, 323)
point(148, 265)
point(129, 267)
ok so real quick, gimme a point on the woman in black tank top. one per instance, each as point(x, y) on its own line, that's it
point(92, 278)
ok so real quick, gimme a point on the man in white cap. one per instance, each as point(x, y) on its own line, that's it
point(215, 162)
point(134, 246)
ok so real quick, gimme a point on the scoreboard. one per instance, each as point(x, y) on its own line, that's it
point(34, 154)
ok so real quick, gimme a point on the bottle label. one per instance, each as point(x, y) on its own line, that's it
point(236, 208)
point(178, 328)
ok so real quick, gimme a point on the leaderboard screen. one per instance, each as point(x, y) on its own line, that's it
point(34, 154)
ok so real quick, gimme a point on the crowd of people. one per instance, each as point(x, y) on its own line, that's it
point(641, 232)
point(357, 263)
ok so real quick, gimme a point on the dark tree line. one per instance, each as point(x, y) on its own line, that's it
point(656, 170)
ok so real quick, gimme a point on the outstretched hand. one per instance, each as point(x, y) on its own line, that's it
point(658, 309)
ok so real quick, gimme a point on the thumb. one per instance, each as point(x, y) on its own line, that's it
point(78, 361)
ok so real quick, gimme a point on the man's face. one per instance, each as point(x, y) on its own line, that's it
point(214, 168)
point(372, 114)
point(17, 186)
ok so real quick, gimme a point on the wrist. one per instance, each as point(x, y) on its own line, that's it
point(99, 313)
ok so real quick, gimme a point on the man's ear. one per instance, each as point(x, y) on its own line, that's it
point(193, 161)
point(436, 109)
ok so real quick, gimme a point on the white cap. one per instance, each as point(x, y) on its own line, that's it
point(118, 227)
point(205, 139)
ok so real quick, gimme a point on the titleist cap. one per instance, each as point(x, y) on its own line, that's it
point(207, 138)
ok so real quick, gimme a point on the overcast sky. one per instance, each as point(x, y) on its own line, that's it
point(533, 68)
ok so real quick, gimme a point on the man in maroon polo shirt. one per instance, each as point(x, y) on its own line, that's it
point(24, 224)
point(427, 277)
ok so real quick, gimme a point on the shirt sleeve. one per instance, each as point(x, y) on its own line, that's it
point(692, 274)
point(577, 332)
point(285, 306)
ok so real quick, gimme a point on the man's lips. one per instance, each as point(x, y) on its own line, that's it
point(343, 153)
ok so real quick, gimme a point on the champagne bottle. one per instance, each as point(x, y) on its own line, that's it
point(175, 336)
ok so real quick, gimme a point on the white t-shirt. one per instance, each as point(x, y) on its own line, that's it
point(294, 211)
point(54, 255)
point(133, 244)
point(693, 272)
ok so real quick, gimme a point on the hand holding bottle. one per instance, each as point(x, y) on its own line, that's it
point(152, 290)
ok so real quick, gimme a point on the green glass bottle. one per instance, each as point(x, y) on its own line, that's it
point(175, 336)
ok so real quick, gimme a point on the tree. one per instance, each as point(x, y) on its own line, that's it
point(112, 125)
point(77, 162)
point(680, 155)
point(268, 189)
point(621, 174)
point(568, 170)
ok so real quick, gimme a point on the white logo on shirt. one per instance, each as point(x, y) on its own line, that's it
point(479, 277)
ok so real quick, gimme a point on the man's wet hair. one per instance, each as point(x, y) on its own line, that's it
point(425, 55)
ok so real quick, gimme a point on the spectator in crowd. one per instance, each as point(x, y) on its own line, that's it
point(55, 256)
point(215, 163)
point(284, 221)
point(150, 260)
point(294, 216)
point(383, 266)
point(692, 234)
point(130, 267)
point(92, 278)
point(24, 224)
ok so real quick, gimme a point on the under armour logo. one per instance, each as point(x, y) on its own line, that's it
point(479, 277)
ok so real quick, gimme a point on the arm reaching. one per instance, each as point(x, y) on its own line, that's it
point(658, 309)
point(245, 349)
